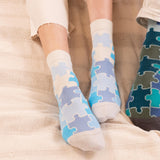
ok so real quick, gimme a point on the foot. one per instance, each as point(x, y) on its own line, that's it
point(143, 106)
point(104, 96)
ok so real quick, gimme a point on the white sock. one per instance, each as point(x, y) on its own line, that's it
point(79, 126)
point(104, 96)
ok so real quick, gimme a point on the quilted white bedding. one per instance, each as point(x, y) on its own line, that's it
point(29, 125)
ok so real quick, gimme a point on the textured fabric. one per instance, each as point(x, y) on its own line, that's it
point(29, 123)
point(75, 115)
point(47, 11)
point(144, 99)
point(104, 95)
point(149, 10)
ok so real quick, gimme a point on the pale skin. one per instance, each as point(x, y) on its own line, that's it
point(54, 36)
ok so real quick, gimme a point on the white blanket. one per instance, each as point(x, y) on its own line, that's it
point(29, 125)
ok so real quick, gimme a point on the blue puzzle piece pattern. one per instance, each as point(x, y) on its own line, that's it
point(93, 70)
point(157, 66)
point(156, 85)
point(117, 98)
point(93, 123)
point(73, 78)
point(77, 117)
point(154, 98)
point(155, 112)
point(112, 54)
point(81, 124)
point(140, 98)
point(94, 98)
point(67, 132)
point(107, 96)
point(104, 39)
point(147, 65)
point(128, 113)
point(103, 83)
point(67, 95)
point(105, 66)
point(148, 97)
point(60, 69)
point(151, 38)
point(74, 112)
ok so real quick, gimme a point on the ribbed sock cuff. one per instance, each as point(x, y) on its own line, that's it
point(58, 56)
point(101, 25)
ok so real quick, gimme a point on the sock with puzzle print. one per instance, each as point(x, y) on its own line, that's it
point(79, 126)
point(143, 106)
point(104, 95)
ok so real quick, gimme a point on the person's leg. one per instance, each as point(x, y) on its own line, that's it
point(99, 9)
point(79, 126)
point(53, 37)
point(143, 106)
point(104, 95)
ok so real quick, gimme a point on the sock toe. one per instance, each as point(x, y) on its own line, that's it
point(89, 140)
point(105, 111)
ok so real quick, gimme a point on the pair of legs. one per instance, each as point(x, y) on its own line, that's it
point(79, 121)
point(143, 102)
point(54, 37)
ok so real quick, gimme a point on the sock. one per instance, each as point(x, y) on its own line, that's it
point(143, 105)
point(79, 126)
point(104, 96)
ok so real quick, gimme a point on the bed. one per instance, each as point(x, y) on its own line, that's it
point(29, 125)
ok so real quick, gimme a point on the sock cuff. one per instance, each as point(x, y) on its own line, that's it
point(58, 56)
point(100, 25)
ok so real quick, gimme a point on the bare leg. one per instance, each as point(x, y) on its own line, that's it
point(99, 9)
point(104, 96)
point(53, 37)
